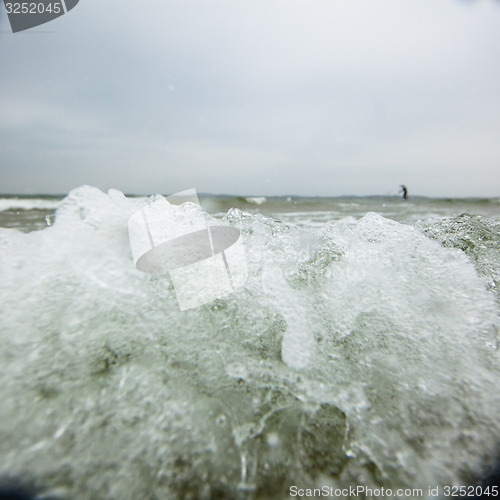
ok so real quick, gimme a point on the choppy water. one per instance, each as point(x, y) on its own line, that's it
point(363, 350)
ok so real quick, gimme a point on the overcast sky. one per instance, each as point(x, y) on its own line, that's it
point(309, 97)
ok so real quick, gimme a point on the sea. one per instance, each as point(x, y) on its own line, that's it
point(359, 359)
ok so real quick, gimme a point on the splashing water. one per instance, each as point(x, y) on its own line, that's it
point(358, 352)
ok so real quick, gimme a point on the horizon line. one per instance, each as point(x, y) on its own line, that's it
point(226, 195)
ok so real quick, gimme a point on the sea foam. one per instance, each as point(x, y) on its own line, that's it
point(356, 353)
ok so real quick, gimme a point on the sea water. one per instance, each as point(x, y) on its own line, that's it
point(362, 350)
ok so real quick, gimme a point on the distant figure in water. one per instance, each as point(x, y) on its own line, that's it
point(405, 191)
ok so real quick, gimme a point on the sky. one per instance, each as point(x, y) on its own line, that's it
point(262, 97)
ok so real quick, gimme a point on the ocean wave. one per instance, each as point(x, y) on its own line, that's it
point(257, 200)
point(478, 237)
point(7, 204)
point(361, 352)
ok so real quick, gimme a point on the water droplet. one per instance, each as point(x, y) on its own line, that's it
point(221, 420)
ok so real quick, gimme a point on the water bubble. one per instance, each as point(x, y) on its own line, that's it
point(221, 420)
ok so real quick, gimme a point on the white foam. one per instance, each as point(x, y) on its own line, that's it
point(360, 339)
point(257, 200)
point(7, 204)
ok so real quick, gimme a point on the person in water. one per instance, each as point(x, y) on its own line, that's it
point(405, 191)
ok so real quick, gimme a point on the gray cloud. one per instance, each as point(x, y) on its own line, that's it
point(273, 97)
